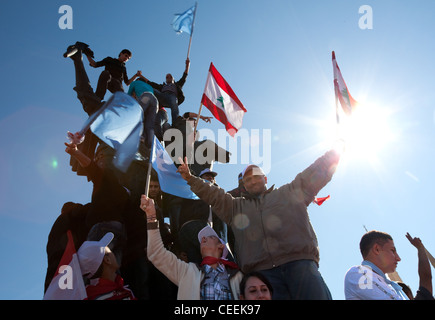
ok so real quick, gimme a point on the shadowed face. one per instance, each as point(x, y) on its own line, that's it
point(124, 57)
point(154, 189)
point(254, 181)
point(110, 259)
point(209, 177)
point(169, 78)
point(211, 246)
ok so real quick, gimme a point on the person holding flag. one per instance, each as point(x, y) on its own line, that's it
point(184, 22)
point(216, 278)
point(271, 227)
point(170, 93)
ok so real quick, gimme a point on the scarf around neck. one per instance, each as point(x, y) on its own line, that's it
point(212, 260)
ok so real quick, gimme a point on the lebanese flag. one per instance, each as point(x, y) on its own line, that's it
point(341, 92)
point(223, 103)
point(67, 283)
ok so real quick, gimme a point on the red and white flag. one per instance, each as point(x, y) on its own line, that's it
point(67, 283)
point(341, 92)
point(223, 103)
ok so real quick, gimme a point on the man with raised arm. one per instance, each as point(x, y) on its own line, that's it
point(272, 229)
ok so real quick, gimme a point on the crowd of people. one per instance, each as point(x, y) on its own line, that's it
point(252, 242)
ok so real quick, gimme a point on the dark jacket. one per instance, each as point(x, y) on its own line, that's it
point(179, 84)
point(71, 218)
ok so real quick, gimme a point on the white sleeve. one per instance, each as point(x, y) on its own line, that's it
point(361, 283)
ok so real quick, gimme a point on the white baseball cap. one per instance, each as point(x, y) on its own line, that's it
point(208, 231)
point(91, 254)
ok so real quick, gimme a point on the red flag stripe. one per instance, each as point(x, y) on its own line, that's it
point(68, 253)
point(219, 114)
point(225, 86)
point(352, 101)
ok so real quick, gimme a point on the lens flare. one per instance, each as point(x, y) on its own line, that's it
point(54, 163)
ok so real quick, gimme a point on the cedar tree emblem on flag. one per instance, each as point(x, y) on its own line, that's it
point(341, 92)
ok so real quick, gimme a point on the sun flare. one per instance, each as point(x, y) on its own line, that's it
point(366, 132)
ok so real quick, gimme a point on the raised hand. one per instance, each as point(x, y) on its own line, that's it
point(147, 205)
point(183, 169)
point(416, 242)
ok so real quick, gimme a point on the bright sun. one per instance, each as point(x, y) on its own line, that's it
point(366, 132)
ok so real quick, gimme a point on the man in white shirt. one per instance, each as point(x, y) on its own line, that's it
point(369, 281)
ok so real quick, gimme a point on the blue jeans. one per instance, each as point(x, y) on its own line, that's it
point(161, 124)
point(169, 100)
point(297, 280)
point(150, 106)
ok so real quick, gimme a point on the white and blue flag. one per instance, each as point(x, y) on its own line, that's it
point(183, 22)
point(170, 180)
point(119, 123)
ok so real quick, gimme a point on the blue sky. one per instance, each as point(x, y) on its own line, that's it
point(276, 55)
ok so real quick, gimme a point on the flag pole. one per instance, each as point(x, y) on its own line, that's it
point(430, 257)
point(191, 34)
point(335, 88)
point(200, 106)
point(196, 122)
point(150, 165)
point(336, 105)
point(337, 116)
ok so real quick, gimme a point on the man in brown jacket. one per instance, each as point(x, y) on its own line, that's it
point(272, 230)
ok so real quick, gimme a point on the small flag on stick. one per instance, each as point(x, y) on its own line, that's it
point(183, 22)
point(170, 180)
point(67, 283)
point(319, 201)
point(120, 125)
